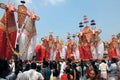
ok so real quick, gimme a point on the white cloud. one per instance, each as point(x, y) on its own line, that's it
point(53, 2)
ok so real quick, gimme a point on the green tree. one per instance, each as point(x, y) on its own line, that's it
point(118, 35)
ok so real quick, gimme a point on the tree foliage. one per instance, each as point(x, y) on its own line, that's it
point(118, 35)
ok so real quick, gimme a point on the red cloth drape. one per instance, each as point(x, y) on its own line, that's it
point(85, 52)
point(40, 53)
point(5, 49)
point(3, 41)
point(12, 38)
point(82, 55)
point(64, 77)
point(112, 53)
point(8, 23)
point(47, 55)
point(70, 54)
point(57, 55)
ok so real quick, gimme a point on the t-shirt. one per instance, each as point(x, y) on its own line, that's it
point(64, 77)
point(103, 67)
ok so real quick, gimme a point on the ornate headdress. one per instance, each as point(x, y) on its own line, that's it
point(22, 13)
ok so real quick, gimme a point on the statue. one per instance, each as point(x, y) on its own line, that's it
point(8, 31)
point(97, 46)
point(27, 40)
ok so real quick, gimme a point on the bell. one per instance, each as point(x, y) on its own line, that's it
point(68, 38)
point(74, 36)
point(93, 22)
point(85, 19)
point(81, 24)
point(42, 39)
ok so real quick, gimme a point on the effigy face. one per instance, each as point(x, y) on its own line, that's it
point(96, 35)
point(51, 41)
point(11, 8)
point(87, 33)
point(22, 13)
point(32, 16)
point(114, 42)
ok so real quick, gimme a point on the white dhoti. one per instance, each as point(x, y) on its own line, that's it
point(27, 40)
point(54, 55)
point(77, 54)
point(118, 51)
point(51, 54)
point(30, 51)
point(63, 53)
point(103, 74)
point(98, 51)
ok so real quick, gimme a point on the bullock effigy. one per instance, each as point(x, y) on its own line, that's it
point(8, 31)
point(72, 50)
point(90, 44)
point(97, 46)
point(41, 50)
point(112, 47)
point(24, 36)
point(28, 35)
point(85, 41)
point(69, 50)
point(84, 47)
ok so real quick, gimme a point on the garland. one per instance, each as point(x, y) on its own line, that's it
point(24, 48)
point(11, 47)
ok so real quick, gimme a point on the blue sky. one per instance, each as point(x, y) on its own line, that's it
point(62, 16)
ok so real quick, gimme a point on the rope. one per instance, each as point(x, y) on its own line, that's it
point(11, 47)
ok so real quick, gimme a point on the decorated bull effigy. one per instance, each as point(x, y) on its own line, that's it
point(50, 48)
point(28, 37)
point(8, 31)
point(24, 36)
point(90, 44)
point(113, 47)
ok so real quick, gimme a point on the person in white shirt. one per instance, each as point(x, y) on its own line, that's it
point(31, 74)
point(103, 67)
point(5, 72)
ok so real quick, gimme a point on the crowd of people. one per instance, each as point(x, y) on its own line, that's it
point(60, 70)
